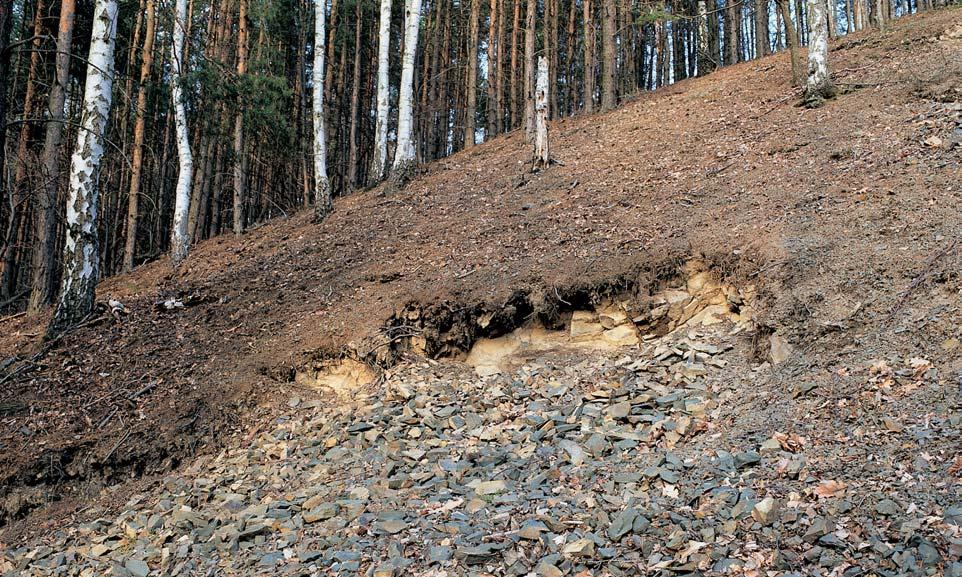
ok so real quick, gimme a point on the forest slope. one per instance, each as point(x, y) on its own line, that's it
point(846, 217)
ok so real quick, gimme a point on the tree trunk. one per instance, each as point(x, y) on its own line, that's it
point(493, 107)
point(322, 188)
point(239, 176)
point(137, 162)
point(831, 14)
point(541, 153)
point(589, 67)
point(762, 47)
point(471, 110)
point(551, 49)
point(608, 61)
point(404, 155)
point(355, 102)
point(515, 88)
point(707, 61)
point(17, 194)
point(732, 20)
point(571, 39)
point(819, 85)
point(791, 37)
point(81, 255)
point(45, 237)
point(379, 161)
point(6, 26)
point(329, 76)
point(529, 37)
point(179, 239)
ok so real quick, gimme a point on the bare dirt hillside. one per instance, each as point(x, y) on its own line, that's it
point(844, 219)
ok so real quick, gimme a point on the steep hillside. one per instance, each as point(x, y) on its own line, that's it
point(844, 220)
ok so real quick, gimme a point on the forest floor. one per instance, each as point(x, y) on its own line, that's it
point(721, 334)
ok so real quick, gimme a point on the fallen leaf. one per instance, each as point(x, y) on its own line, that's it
point(790, 441)
point(830, 488)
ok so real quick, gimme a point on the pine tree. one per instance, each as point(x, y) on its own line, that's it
point(45, 237)
point(471, 110)
point(140, 121)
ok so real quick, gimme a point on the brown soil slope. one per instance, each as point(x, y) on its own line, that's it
point(846, 217)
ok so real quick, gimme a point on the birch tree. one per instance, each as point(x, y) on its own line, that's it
point(379, 158)
point(180, 241)
point(45, 223)
point(819, 84)
point(404, 155)
point(541, 155)
point(81, 256)
point(322, 188)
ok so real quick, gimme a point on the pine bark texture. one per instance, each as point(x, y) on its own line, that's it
point(589, 64)
point(732, 10)
point(529, 38)
point(81, 256)
point(179, 240)
point(471, 110)
point(493, 108)
point(762, 48)
point(351, 179)
point(6, 25)
point(791, 38)
point(45, 237)
point(140, 117)
point(18, 195)
point(608, 58)
point(322, 188)
point(239, 176)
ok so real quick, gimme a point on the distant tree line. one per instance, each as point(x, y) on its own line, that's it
point(207, 110)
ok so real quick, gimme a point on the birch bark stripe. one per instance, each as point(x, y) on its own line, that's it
point(180, 243)
point(322, 188)
point(404, 155)
point(81, 258)
point(379, 162)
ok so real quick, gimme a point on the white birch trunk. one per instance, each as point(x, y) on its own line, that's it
point(81, 255)
point(404, 155)
point(179, 240)
point(379, 161)
point(819, 85)
point(322, 187)
point(541, 158)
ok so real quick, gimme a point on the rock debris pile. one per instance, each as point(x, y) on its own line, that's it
point(573, 464)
